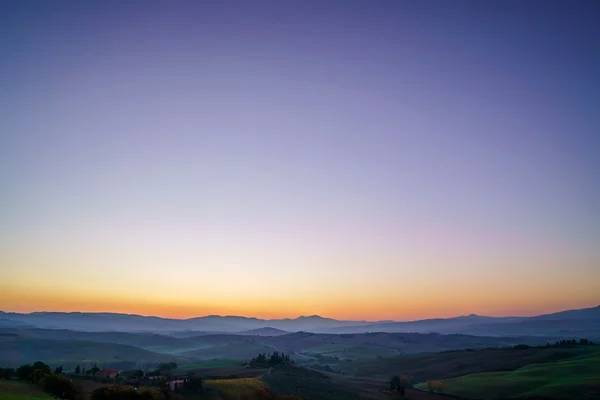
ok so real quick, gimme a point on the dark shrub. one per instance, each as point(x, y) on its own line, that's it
point(60, 386)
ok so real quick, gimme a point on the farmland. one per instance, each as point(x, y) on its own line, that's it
point(209, 364)
point(236, 389)
point(453, 364)
point(12, 390)
point(578, 377)
point(307, 384)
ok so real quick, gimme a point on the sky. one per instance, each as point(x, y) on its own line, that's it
point(352, 159)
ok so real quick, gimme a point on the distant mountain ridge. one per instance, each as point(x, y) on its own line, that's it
point(569, 323)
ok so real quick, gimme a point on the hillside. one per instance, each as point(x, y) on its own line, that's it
point(575, 378)
point(266, 331)
point(453, 364)
point(307, 384)
point(304, 347)
point(12, 390)
point(388, 343)
point(564, 324)
point(16, 350)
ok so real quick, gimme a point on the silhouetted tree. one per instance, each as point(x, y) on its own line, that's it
point(78, 369)
point(269, 360)
point(59, 386)
point(24, 372)
point(6, 373)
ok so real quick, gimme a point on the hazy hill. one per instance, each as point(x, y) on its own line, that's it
point(267, 331)
point(101, 322)
point(303, 346)
point(571, 323)
point(16, 350)
point(438, 325)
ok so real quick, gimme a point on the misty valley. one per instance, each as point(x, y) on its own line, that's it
point(104, 356)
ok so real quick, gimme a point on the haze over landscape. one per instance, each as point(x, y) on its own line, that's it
point(356, 161)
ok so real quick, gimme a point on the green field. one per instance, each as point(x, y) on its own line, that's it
point(578, 377)
point(235, 389)
point(453, 364)
point(307, 384)
point(13, 390)
point(216, 363)
point(350, 351)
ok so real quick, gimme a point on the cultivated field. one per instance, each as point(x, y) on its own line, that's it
point(575, 378)
point(236, 389)
point(13, 390)
point(455, 363)
point(210, 364)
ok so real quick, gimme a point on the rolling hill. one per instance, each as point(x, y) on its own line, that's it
point(574, 378)
point(452, 364)
point(564, 324)
point(48, 344)
point(17, 350)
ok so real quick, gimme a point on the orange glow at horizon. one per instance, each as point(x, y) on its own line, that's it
point(352, 309)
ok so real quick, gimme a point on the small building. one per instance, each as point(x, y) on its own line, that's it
point(108, 373)
point(176, 384)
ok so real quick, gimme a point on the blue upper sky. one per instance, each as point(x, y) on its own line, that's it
point(450, 145)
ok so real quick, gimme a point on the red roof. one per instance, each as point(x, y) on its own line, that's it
point(108, 372)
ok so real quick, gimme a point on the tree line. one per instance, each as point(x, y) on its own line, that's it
point(265, 361)
point(558, 344)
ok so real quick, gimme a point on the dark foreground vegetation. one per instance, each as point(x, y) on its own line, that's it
point(561, 370)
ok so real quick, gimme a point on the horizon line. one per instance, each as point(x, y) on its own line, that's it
point(288, 318)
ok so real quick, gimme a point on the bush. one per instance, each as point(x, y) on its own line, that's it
point(120, 392)
point(6, 373)
point(59, 386)
point(24, 372)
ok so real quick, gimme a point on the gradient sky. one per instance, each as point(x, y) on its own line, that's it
point(353, 159)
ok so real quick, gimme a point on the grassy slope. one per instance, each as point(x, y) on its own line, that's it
point(344, 351)
point(307, 384)
point(13, 390)
point(234, 389)
point(577, 377)
point(209, 364)
point(242, 350)
point(456, 363)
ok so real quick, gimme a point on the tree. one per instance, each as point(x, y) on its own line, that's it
point(78, 369)
point(167, 366)
point(406, 381)
point(7, 373)
point(24, 372)
point(59, 386)
point(120, 392)
point(397, 384)
point(94, 369)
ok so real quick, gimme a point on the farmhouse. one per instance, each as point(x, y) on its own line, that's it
point(108, 373)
